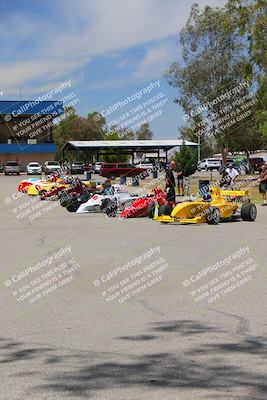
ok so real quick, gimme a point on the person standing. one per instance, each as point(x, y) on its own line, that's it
point(233, 173)
point(263, 184)
point(225, 181)
point(170, 183)
point(180, 178)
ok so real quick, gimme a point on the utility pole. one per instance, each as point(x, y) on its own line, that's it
point(198, 149)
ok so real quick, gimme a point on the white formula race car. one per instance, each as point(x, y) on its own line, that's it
point(110, 201)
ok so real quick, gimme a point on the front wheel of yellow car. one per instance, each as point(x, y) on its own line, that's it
point(249, 212)
point(213, 215)
point(165, 209)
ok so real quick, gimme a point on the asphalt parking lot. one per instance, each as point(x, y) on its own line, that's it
point(139, 311)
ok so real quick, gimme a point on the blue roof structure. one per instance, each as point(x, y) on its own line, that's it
point(29, 107)
point(20, 148)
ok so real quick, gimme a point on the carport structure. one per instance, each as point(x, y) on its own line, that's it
point(128, 147)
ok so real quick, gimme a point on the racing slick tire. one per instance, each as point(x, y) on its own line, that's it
point(85, 196)
point(64, 197)
point(165, 209)
point(109, 207)
point(41, 192)
point(248, 212)
point(213, 215)
point(151, 210)
point(72, 204)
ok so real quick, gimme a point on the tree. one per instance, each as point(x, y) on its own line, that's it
point(96, 127)
point(74, 127)
point(206, 146)
point(214, 60)
point(187, 158)
point(144, 133)
point(252, 23)
point(114, 135)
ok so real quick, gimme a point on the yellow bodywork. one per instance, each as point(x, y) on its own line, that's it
point(35, 189)
point(195, 212)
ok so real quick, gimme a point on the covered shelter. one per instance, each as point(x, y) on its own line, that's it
point(128, 147)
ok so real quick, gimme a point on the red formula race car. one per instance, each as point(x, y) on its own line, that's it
point(145, 206)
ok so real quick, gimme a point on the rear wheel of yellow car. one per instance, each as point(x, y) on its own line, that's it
point(248, 212)
point(213, 215)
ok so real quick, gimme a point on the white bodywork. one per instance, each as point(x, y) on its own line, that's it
point(121, 196)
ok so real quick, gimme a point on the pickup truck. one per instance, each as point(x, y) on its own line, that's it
point(114, 170)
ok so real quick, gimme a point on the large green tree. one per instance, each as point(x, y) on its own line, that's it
point(187, 159)
point(252, 23)
point(214, 61)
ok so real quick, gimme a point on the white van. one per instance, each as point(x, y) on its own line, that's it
point(209, 164)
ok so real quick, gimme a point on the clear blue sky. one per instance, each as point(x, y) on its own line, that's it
point(108, 49)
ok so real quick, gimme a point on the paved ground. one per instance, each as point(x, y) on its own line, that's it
point(169, 340)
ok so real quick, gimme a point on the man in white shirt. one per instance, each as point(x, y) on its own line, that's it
point(233, 173)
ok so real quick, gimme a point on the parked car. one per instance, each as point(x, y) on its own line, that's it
point(77, 167)
point(12, 167)
point(209, 164)
point(114, 170)
point(96, 167)
point(51, 166)
point(145, 165)
point(33, 168)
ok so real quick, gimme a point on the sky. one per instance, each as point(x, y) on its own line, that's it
point(110, 50)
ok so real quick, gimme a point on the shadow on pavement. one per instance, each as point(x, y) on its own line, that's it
point(223, 366)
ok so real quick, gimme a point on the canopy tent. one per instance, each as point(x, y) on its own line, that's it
point(129, 147)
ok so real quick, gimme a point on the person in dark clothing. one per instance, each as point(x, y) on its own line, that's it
point(180, 178)
point(170, 183)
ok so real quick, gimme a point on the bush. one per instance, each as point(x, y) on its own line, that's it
point(187, 157)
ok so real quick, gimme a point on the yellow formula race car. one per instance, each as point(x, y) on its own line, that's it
point(217, 205)
point(41, 188)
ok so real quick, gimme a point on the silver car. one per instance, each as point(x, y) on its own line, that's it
point(12, 167)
